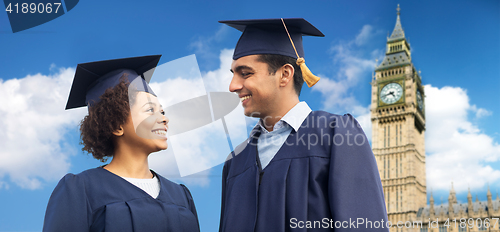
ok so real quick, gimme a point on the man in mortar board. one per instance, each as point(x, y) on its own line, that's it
point(300, 170)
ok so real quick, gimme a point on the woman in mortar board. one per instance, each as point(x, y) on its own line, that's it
point(125, 122)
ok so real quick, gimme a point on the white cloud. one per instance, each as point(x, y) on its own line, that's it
point(457, 150)
point(364, 35)
point(366, 123)
point(218, 81)
point(33, 126)
point(353, 67)
point(202, 45)
point(4, 185)
point(480, 112)
point(52, 67)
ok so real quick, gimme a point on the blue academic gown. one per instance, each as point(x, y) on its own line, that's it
point(307, 183)
point(98, 200)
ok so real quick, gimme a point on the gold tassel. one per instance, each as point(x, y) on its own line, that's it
point(307, 75)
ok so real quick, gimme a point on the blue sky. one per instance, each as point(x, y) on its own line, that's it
point(456, 45)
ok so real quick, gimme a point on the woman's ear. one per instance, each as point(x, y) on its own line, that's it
point(287, 72)
point(118, 132)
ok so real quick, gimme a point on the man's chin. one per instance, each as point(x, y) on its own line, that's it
point(252, 114)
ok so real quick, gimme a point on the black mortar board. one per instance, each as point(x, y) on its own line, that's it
point(92, 79)
point(268, 36)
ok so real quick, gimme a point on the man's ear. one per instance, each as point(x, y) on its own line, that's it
point(287, 72)
point(118, 132)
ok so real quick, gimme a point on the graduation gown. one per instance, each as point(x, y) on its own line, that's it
point(313, 176)
point(98, 200)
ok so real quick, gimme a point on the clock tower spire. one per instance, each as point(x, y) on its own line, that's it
point(398, 31)
point(398, 129)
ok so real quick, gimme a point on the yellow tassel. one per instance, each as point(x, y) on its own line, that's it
point(307, 75)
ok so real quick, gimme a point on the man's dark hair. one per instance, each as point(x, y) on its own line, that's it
point(274, 62)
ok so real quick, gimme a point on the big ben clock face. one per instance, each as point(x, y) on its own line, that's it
point(391, 93)
point(420, 100)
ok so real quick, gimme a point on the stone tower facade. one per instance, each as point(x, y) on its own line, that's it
point(398, 129)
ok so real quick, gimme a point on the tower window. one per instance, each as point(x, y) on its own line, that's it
point(388, 136)
point(401, 165)
point(397, 200)
point(396, 135)
point(388, 201)
point(384, 168)
point(396, 168)
point(384, 135)
point(400, 134)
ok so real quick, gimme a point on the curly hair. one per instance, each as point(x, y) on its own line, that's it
point(105, 117)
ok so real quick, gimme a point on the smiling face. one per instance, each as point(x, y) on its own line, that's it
point(148, 122)
point(256, 87)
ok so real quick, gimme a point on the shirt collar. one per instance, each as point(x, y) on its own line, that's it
point(280, 124)
point(294, 118)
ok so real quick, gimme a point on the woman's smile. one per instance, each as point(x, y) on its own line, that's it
point(161, 132)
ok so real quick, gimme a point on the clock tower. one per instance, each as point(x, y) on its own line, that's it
point(398, 129)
